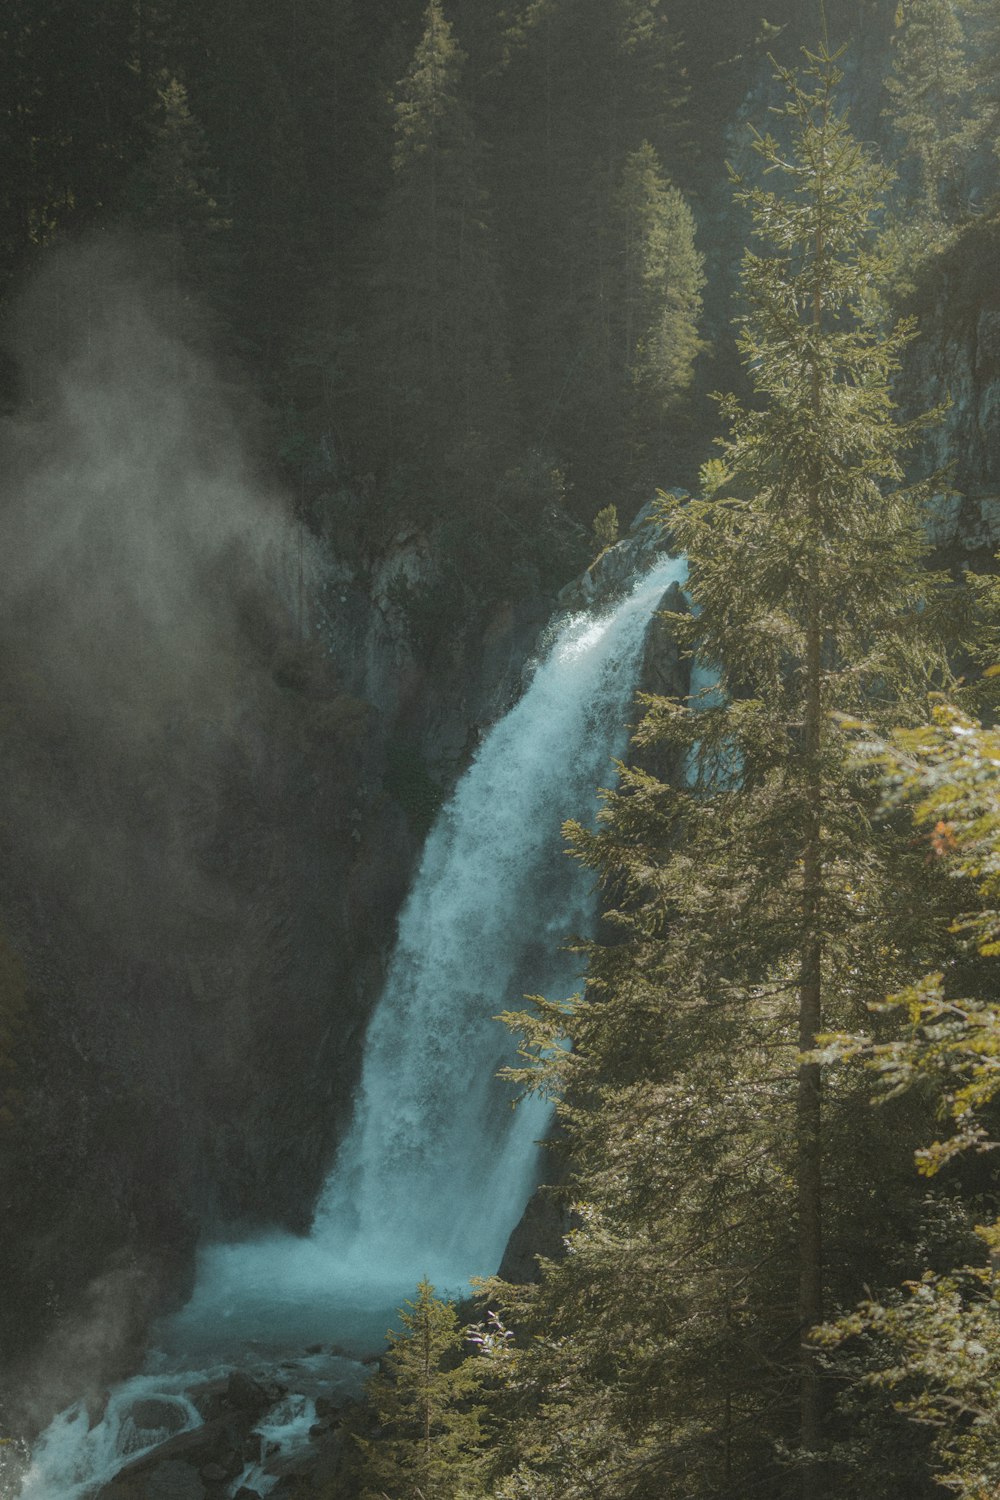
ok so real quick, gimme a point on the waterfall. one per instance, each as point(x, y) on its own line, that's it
point(437, 1165)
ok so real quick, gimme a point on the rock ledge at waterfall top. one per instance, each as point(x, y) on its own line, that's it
point(612, 573)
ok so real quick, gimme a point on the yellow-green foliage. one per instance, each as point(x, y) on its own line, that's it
point(429, 1442)
point(948, 771)
point(934, 1347)
point(606, 527)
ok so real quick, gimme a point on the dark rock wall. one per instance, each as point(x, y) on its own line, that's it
point(202, 932)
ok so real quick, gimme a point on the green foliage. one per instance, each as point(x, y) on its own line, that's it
point(947, 771)
point(663, 278)
point(424, 1399)
point(931, 90)
point(434, 373)
point(171, 191)
point(590, 97)
point(983, 26)
point(935, 1346)
point(664, 1353)
point(605, 527)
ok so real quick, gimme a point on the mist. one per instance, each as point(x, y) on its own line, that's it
point(149, 581)
point(140, 559)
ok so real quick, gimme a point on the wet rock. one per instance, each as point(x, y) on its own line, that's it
point(215, 1474)
point(208, 1400)
point(612, 573)
point(165, 1481)
point(540, 1231)
point(247, 1396)
point(314, 1470)
point(158, 1416)
point(236, 1395)
point(218, 1443)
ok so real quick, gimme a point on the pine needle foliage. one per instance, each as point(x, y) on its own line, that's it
point(727, 1192)
point(424, 1399)
point(931, 90)
point(933, 1346)
point(434, 373)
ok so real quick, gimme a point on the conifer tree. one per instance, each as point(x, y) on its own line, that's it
point(170, 192)
point(930, 86)
point(983, 23)
point(933, 1347)
point(70, 111)
point(436, 377)
point(637, 331)
point(661, 277)
point(424, 1399)
point(721, 1201)
point(586, 84)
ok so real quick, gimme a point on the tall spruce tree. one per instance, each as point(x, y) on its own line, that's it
point(983, 21)
point(658, 272)
point(169, 194)
point(424, 1398)
point(435, 374)
point(754, 904)
point(586, 84)
point(931, 89)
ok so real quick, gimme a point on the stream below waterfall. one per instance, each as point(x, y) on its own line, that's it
point(437, 1165)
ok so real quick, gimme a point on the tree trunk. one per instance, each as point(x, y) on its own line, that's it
point(809, 1099)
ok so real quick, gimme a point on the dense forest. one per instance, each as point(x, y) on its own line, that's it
point(455, 281)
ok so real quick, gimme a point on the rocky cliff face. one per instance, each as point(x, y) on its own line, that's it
point(221, 748)
point(955, 363)
point(201, 921)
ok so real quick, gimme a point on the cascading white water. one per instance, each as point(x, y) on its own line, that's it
point(437, 1166)
point(72, 1456)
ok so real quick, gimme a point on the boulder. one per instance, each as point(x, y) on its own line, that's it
point(154, 1415)
point(247, 1396)
point(218, 1444)
point(165, 1481)
point(215, 1474)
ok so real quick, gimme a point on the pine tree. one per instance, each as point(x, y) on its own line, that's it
point(434, 375)
point(586, 84)
point(661, 278)
point(753, 906)
point(930, 86)
point(69, 117)
point(424, 1399)
point(170, 193)
point(637, 332)
point(983, 19)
